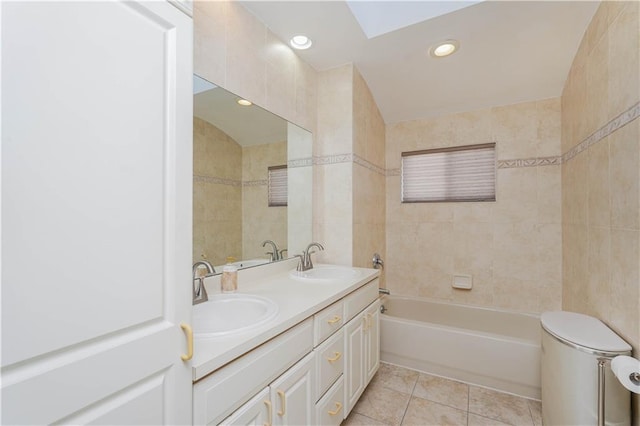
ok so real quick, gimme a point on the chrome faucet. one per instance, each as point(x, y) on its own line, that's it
point(275, 255)
point(199, 292)
point(305, 260)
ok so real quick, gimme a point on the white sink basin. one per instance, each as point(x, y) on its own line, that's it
point(227, 314)
point(325, 274)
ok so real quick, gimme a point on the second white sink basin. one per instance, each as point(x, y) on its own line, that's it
point(325, 273)
point(227, 314)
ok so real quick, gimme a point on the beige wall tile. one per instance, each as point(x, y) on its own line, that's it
point(236, 51)
point(625, 284)
point(574, 191)
point(625, 176)
point(598, 206)
point(515, 129)
point(335, 111)
point(601, 186)
point(510, 239)
point(549, 128)
point(623, 64)
point(549, 194)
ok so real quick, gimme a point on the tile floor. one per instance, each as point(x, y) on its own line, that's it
point(399, 396)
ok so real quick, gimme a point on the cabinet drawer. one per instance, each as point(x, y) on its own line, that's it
point(329, 410)
point(360, 299)
point(219, 394)
point(328, 321)
point(329, 362)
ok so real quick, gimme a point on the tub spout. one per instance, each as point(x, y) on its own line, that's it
point(384, 291)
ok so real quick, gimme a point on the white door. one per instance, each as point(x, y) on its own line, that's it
point(292, 394)
point(354, 361)
point(372, 340)
point(96, 212)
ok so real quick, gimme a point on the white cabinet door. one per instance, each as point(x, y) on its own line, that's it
point(372, 340)
point(256, 412)
point(354, 373)
point(96, 212)
point(292, 394)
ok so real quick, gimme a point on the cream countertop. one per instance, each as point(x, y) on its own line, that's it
point(296, 301)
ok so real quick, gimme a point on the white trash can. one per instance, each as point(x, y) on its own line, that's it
point(572, 346)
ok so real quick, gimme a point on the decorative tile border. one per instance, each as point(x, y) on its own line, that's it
point(623, 119)
point(529, 162)
point(332, 159)
point(300, 162)
point(261, 182)
point(216, 180)
point(620, 121)
point(368, 165)
point(393, 172)
point(229, 182)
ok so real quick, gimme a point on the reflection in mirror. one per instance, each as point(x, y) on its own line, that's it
point(234, 146)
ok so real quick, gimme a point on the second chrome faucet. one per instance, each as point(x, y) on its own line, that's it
point(305, 258)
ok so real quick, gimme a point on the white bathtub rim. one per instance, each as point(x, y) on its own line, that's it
point(458, 304)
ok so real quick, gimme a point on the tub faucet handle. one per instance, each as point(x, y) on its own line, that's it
point(377, 261)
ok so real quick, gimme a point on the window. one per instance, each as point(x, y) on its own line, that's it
point(465, 173)
point(277, 186)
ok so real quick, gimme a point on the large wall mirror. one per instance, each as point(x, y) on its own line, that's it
point(252, 181)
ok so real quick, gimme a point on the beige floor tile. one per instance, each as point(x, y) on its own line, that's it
point(396, 378)
point(500, 406)
point(426, 413)
point(443, 391)
point(382, 404)
point(536, 411)
point(355, 419)
point(476, 420)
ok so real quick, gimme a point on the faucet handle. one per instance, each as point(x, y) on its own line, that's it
point(300, 266)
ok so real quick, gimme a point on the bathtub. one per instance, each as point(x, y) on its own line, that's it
point(487, 347)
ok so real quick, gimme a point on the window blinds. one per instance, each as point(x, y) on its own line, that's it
point(466, 173)
point(277, 186)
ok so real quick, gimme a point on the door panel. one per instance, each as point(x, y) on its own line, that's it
point(292, 394)
point(96, 212)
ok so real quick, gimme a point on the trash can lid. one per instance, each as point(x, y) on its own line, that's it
point(583, 330)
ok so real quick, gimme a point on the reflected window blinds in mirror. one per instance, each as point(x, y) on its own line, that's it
point(277, 184)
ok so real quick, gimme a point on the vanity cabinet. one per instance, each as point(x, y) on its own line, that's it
point(311, 374)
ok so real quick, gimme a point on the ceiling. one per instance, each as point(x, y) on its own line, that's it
point(510, 51)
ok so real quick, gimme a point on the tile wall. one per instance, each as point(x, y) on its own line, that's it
point(259, 221)
point(511, 247)
point(601, 172)
point(217, 170)
point(236, 51)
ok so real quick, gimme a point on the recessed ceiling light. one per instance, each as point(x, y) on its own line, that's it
point(300, 42)
point(244, 102)
point(444, 48)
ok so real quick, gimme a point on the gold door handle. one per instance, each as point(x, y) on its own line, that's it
point(337, 410)
point(283, 402)
point(334, 319)
point(365, 319)
point(270, 411)
point(336, 356)
point(189, 332)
